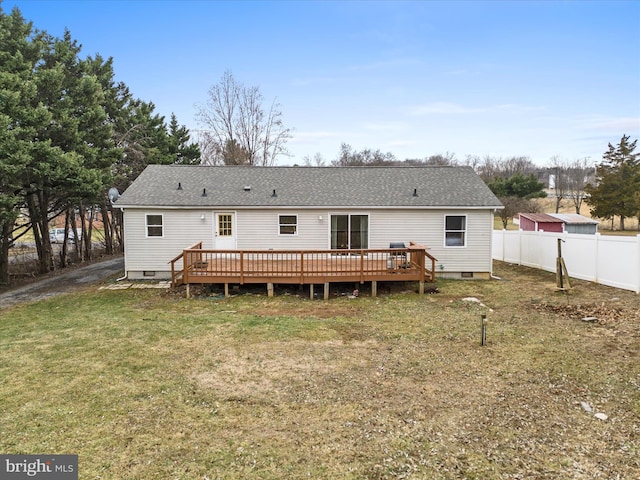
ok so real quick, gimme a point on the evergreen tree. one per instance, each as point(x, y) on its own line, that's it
point(68, 133)
point(22, 117)
point(142, 134)
point(617, 183)
point(518, 185)
point(183, 150)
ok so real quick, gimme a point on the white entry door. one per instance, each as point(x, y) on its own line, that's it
point(225, 234)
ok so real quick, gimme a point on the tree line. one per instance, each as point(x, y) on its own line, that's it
point(611, 188)
point(68, 133)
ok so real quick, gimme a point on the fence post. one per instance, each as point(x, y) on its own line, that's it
point(597, 254)
point(638, 264)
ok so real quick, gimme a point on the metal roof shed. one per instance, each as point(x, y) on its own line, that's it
point(574, 223)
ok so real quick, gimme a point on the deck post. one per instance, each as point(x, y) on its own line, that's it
point(226, 290)
point(311, 291)
point(188, 291)
point(185, 267)
point(421, 290)
point(326, 290)
point(374, 288)
point(270, 289)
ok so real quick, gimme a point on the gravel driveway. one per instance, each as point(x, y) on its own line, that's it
point(62, 283)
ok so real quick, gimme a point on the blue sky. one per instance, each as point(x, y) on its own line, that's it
point(411, 78)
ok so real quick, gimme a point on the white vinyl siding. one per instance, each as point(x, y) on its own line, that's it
point(426, 227)
point(259, 230)
point(182, 228)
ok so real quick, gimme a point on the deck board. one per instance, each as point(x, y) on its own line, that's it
point(303, 267)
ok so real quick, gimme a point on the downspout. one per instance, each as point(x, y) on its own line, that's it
point(113, 196)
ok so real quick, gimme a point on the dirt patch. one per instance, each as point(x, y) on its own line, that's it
point(330, 310)
point(266, 371)
point(602, 313)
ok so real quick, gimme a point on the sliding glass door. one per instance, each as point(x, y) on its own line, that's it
point(349, 231)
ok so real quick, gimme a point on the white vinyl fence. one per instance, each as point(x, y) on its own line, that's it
point(606, 259)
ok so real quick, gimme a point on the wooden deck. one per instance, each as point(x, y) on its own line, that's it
point(198, 266)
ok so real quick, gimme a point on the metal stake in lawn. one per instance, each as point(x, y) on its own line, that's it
point(483, 330)
point(561, 269)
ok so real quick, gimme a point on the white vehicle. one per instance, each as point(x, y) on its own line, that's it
point(56, 235)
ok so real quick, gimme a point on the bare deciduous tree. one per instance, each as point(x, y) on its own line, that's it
point(579, 174)
point(489, 168)
point(568, 179)
point(558, 179)
point(237, 129)
point(513, 206)
point(348, 157)
point(317, 160)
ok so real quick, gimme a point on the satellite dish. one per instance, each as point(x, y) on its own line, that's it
point(114, 194)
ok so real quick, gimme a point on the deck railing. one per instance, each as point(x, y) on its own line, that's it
point(413, 263)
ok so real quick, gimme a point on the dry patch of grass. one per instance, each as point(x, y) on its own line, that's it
point(147, 386)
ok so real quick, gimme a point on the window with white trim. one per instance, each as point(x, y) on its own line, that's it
point(455, 230)
point(288, 224)
point(154, 224)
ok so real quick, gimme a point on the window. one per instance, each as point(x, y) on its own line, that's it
point(154, 226)
point(349, 231)
point(288, 224)
point(225, 225)
point(455, 229)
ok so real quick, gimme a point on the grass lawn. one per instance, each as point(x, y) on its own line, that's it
point(148, 385)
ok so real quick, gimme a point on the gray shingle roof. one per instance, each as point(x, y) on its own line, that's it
point(308, 187)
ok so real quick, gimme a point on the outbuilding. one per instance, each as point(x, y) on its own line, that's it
point(557, 223)
point(575, 223)
point(540, 222)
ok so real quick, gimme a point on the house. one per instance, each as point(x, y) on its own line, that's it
point(171, 207)
point(540, 222)
point(557, 223)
